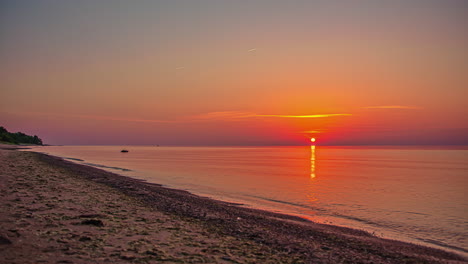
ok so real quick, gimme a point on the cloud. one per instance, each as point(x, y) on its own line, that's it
point(318, 131)
point(305, 116)
point(242, 115)
point(224, 115)
point(392, 107)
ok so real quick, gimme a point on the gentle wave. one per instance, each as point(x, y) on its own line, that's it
point(97, 165)
point(442, 244)
point(379, 224)
point(105, 167)
point(74, 159)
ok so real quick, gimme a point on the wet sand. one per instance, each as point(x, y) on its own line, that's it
point(56, 211)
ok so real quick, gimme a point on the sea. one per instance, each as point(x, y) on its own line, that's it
point(413, 194)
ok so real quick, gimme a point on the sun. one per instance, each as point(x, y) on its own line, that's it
point(312, 139)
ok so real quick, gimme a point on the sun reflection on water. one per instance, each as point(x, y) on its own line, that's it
point(312, 162)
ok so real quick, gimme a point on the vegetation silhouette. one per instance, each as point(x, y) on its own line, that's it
point(18, 137)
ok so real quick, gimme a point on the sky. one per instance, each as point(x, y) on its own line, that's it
point(220, 72)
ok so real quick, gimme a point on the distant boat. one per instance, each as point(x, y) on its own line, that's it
point(124, 150)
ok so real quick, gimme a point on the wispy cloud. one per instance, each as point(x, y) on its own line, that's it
point(317, 131)
point(392, 107)
point(229, 115)
point(305, 116)
point(224, 115)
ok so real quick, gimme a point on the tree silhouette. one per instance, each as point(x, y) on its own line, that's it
point(18, 137)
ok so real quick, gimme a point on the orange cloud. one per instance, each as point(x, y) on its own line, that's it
point(318, 131)
point(392, 107)
point(242, 115)
point(224, 115)
point(305, 116)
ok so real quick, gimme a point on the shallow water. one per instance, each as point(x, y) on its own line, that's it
point(411, 194)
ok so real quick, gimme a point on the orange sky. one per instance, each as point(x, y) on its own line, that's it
point(235, 73)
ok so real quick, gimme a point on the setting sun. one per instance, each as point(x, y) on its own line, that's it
point(312, 139)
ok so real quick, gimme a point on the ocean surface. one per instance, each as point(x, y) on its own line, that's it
point(415, 194)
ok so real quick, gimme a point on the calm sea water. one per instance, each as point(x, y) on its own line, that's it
point(411, 194)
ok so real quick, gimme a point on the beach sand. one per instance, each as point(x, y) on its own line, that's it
point(56, 211)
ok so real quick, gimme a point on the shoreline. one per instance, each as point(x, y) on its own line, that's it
point(294, 236)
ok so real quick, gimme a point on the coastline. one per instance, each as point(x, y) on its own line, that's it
point(260, 235)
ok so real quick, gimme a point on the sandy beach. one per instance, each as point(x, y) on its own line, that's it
point(56, 211)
